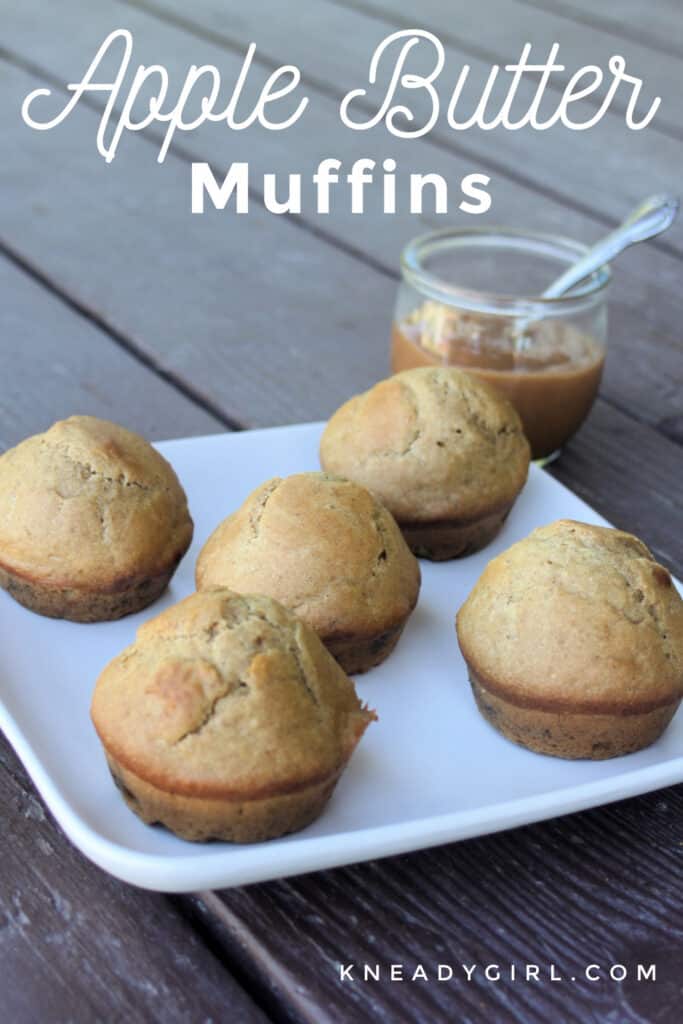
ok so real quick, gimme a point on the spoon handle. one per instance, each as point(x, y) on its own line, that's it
point(649, 218)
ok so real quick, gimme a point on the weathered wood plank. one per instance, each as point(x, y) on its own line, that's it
point(498, 29)
point(76, 945)
point(602, 887)
point(206, 337)
point(271, 322)
point(632, 476)
point(332, 43)
point(656, 24)
point(54, 363)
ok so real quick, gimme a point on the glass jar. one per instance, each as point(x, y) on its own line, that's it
point(467, 300)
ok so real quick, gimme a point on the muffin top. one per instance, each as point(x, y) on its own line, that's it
point(321, 545)
point(431, 443)
point(228, 696)
point(576, 617)
point(87, 504)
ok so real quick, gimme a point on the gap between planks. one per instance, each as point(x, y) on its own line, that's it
point(595, 20)
point(318, 85)
point(369, 9)
point(579, 892)
point(188, 391)
point(180, 385)
point(179, 151)
point(80, 945)
point(293, 996)
point(666, 430)
point(329, 238)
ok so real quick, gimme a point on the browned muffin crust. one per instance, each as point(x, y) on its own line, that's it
point(573, 639)
point(327, 550)
point(79, 605)
point(571, 734)
point(438, 447)
point(227, 719)
point(446, 539)
point(200, 819)
point(93, 521)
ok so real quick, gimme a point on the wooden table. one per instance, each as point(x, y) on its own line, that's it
point(116, 301)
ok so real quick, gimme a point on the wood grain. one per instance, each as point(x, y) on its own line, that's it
point(509, 24)
point(601, 887)
point(254, 312)
point(332, 44)
point(630, 475)
point(273, 299)
point(656, 24)
point(77, 945)
point(55, 363)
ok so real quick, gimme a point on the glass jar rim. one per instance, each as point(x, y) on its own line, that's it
point(583, 296)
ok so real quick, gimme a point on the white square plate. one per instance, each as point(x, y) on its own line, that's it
point(430, 771)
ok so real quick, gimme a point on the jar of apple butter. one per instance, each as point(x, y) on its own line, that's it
point(467, 300)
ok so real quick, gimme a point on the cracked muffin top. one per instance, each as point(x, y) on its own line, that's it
point(321, 545)
point(228, 696)
point(431, 443)
point(88, 504)
point(576, 617)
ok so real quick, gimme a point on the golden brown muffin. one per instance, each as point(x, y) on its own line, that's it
point(574, 642)
point(93, 521)
point(227, 719)
point(440, 449)
point(327, 550)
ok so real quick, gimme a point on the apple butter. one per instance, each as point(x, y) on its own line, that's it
point(549, 370)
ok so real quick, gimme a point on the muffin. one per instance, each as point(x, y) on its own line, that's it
point(574, 642)
point(93, 521)
point(328, 551)
point(227, 719)
point(443, 452)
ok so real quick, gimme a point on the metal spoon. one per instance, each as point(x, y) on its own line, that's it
point(649, 218)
